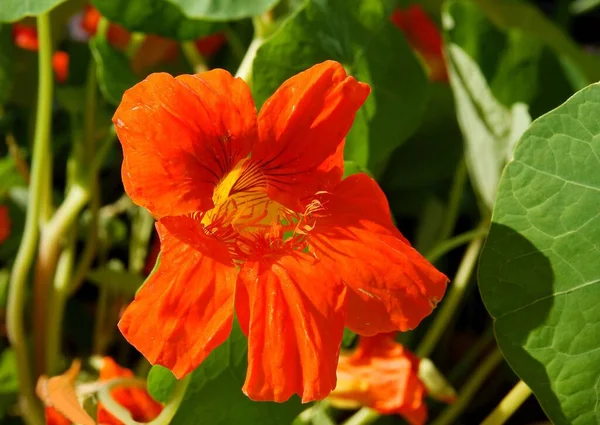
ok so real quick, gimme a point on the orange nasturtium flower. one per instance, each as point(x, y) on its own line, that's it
point(253, 214)
point(137, 401)
point(4, 223)
point(383, 375)
point(424, 37)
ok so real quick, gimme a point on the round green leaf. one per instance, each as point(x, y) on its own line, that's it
point(224, 10)
point(359, 35)
point(14, 10)
point(156, 17)
point(539, 274)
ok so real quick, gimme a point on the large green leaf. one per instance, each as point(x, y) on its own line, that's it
point(156, 17)
point(215, 391)
point(114, 72)
point(224, 10)
point(6, 62)
point(14, 10)
point(539, 274)
point(358, 34)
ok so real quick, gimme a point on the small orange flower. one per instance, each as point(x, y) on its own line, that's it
point(424, 37)
point(253, 215)
point(382, 375)
point(4, 223)
point(25, 37)
point(60, 64)
point(137, 401)
point(141, 406)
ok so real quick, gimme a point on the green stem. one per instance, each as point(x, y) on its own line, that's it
point(364, 416)
point(194, 57)
point(30, 406)
point(99, 337)
point(50, 249)
point(58, 301)
point(458, 184)
point(453, 297)
point(142, 226)
point(245, 70)
point(468, 391)
point(449, 244)
point(123, 414)
point(509, 404)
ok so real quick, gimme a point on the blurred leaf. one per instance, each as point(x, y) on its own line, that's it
point(219, 10)
point(351, 167)
point(6, 62)
point(4, 279)
point(161, 383)
point(489, 128)
point(9, 384)
point(539, 274)
point(349, 338)
point(9, 176)
point(215, 390)
point(507, 59)
point(114, 73)
point(358, 34)
point(117, 281)
point(431, 155)
point(159, 17)
point(583, 6)
point(15, 10)
point(525, 17)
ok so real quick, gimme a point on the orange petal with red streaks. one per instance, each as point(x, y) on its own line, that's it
point(302, 129)
point(185, 308)
point(390, 285)
point(292, 310)
point(180, 136)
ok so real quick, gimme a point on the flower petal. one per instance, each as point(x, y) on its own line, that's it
point(141, 406)
point(180, 136)
point(4, 223)
point(302, 129)
point(185, 308)
point(292, 310)
point(391, 286)
point(382, 375)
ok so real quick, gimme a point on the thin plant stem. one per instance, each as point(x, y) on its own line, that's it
point(30, 406)
point(458, 184)
point(142, 226)
point(449, 244)
point(453, 297)
point(58, 300)
point(50, 248)
point(245, 70)
point(193, 56)
point(471, 387)
point(509, 404)
point(364, 416)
